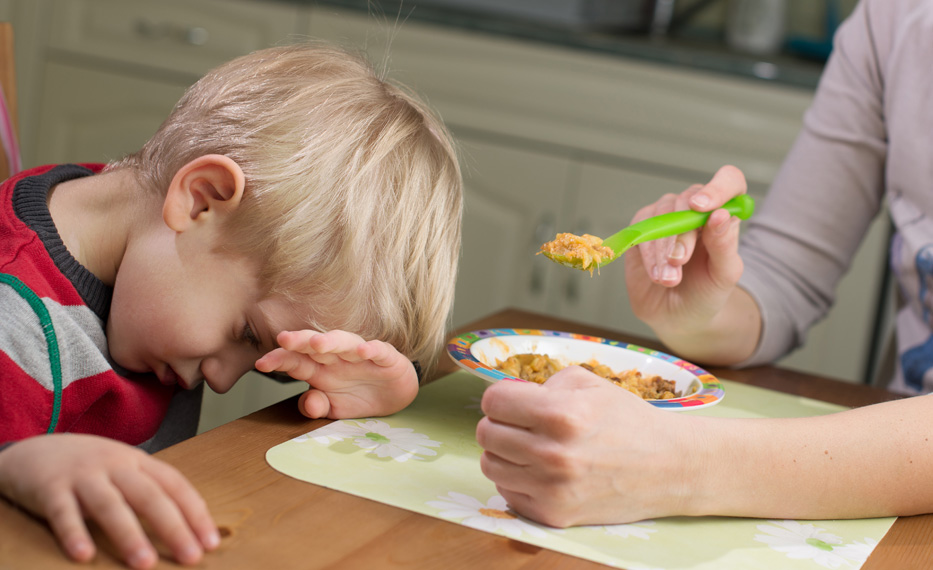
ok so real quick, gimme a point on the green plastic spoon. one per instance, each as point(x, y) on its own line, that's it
point(665, 225)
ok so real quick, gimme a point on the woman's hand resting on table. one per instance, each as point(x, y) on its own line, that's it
point(67, 478)
point(349, 376)
point(685, 287)
point(580, 450)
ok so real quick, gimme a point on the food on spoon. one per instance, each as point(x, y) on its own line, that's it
point(539, 367)
point(587, 249)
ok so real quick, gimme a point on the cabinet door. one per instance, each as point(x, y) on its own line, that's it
point(513, 202)
point(94, 116)
point(178, 36)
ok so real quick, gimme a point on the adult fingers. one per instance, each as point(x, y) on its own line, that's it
point(682, 246)
point(574, 378)
point(513, 402)
point(663, 258)
point(507, 442)
point(727, 183)
point(102, 502)
point(721, 240)
point(654, 253)
point(529, 506)
point(549, 408)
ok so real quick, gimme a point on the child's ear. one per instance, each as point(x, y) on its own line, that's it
point(202, 190)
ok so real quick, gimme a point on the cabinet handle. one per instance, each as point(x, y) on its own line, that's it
point(191, 35)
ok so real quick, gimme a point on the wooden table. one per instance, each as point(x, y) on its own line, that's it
point(270, 520)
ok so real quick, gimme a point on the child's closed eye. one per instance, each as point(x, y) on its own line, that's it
point(249, 336)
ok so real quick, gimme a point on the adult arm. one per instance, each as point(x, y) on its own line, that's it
point(801, 239)
point(577, 450)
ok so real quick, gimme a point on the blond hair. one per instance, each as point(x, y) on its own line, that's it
point(353, 196)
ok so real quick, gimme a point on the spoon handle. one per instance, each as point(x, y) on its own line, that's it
point(674, 223)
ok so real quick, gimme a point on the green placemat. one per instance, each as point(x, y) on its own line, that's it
point(426, 459)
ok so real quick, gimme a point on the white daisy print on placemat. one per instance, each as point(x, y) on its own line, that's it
point(493, 516)
point(803, 541)
point(640, 530)
point(856, 551)
point(376, 437)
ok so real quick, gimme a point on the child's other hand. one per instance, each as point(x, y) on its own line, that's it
point(580, 450)
point(67, 478)
point(349, 377)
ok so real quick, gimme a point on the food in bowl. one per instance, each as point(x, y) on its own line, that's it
point(539, 367)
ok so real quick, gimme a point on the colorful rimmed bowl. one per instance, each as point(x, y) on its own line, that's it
point(478, 352)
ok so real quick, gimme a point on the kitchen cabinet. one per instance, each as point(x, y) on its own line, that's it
point(556, 139)
point(115, 114)
point(512, 201)
point(113, 69)
point(545, 132)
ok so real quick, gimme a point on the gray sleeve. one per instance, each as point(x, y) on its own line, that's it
point(181, 420)
point(829, 189)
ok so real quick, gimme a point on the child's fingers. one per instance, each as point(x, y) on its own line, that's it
point(313, 342)
point(192, 505)
point(64, 515)
point(379, 353)
point(325, 348)
point(314, 404)
point(335, 342)
point(151, 503)
point(296, 340)
point(103, 503)
point(296, 365)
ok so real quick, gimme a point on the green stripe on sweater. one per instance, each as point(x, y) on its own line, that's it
point(45, 319)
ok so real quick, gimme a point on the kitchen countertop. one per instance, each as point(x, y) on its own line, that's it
point(698, 53)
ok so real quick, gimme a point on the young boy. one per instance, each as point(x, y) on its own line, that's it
point(290, 192)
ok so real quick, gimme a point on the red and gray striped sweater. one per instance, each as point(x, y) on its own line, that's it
point(55, 371)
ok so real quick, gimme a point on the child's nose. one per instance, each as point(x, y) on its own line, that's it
point(222, 372)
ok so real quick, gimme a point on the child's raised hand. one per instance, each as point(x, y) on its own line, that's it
point(67, 478)
point(580, 450)
point(349, 377)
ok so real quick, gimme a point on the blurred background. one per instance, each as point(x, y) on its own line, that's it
point(570, 115)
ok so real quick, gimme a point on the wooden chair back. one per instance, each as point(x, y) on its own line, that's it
point(10, 161)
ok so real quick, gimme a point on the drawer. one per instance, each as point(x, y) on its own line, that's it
point(189, 36)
